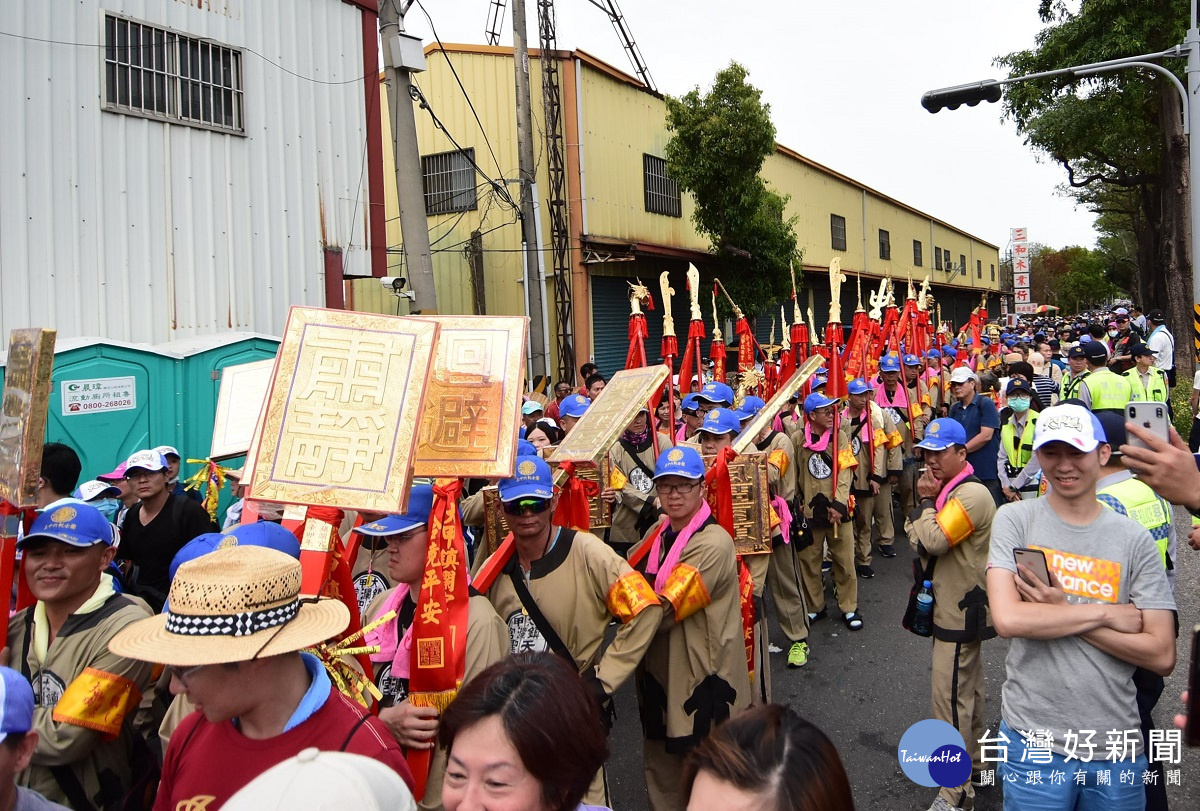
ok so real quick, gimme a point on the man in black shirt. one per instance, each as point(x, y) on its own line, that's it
point(154, 530)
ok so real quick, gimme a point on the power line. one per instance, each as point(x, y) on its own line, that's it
point(466, 95)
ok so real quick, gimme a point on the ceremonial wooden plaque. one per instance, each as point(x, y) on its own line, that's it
point(751, 503)
point(610, 414)
point(23, 409)
point(473, 403)
point(495, 527)
point(745, 438)
point(340, 422)
point(243, 390)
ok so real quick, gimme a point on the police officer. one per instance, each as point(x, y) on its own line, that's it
point(1102, 389)
point(1016, 462)
point(1149, 383)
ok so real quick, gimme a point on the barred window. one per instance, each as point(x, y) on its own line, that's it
point(917, 257)
point(979, 268)
point(449, 181)
point(993, 267)
point(885, 244)
point(937, 258)
point(962, 264)
point(154, 72)
point(662, 193)
point(837, 231)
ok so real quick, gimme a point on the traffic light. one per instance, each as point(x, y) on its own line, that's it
point(969, 94)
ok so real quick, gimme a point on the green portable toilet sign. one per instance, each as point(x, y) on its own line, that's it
point(98, 394)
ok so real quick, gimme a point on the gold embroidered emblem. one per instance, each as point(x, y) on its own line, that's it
point(526, 468)
point(62, 515)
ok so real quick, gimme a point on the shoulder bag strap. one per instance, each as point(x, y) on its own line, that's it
point(535, 613)
point(637, 460)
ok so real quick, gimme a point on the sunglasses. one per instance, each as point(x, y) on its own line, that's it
point(527, 506)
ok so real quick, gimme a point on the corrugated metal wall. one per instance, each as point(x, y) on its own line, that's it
point(139, 230)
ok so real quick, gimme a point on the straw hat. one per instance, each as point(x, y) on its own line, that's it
point(232, 605)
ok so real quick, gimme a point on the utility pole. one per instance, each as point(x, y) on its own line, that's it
point(403, 55)
point(535, 287)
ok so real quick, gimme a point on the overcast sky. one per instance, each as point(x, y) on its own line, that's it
point(844, 80)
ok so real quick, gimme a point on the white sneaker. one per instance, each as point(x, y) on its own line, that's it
point(940, 803)
point(773, 648)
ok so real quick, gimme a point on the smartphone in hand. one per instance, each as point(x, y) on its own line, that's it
point(1034, 559)
point(1149, 415)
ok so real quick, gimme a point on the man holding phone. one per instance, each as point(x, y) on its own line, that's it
point(1077, 640)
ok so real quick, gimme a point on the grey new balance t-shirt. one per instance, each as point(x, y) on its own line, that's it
point(1067, 685)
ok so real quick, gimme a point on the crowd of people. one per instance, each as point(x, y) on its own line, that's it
point(169, 660)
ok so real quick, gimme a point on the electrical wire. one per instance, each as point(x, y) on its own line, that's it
point(450, 64)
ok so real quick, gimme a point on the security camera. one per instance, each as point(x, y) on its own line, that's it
point(395, 282)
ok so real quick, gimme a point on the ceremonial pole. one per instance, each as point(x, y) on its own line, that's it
point(835, 385)
point(693, 351)
point(670, 348)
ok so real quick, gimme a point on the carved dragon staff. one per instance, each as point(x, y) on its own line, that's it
point(638, 331)
point(670, 348)
point(693, 353)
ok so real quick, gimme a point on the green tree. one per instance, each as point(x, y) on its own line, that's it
point(718, 143)
point(1118, 135)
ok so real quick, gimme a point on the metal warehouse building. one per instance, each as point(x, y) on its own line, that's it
point(626, 218)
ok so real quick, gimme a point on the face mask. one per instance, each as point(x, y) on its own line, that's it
point(1019, 404)
point(1112, 333)
point(108, 507)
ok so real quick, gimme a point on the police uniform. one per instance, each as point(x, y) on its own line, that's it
point(1016, 444)
point(1151, 388)
point(1109, 391)
point(951, 536)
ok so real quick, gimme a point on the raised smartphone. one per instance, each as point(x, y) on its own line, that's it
point(1191, 730)
point(1151, 416)
point(1035, 560)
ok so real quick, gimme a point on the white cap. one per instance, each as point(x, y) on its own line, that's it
point(90, 491)
point(169, 450)
point(1069, 423)
point(325, 781)
point(146, 460)
point(962, 374)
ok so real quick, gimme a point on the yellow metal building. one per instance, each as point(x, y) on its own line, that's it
point(626, 219)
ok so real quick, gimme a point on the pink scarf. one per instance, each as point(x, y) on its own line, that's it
point(661, 574)
point(681, 434)
point(396, 650)
point(899, 401)
point(818, 444)
point(785, 517)
point(950, 485)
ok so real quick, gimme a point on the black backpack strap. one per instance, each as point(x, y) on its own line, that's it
point(353, 731)
point(535, 613)
point(72, 788)
point(637, 460)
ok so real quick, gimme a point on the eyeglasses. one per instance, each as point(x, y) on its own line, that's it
point(671, 489)
point(183, 673)
point(526, 506)
point(133, 475)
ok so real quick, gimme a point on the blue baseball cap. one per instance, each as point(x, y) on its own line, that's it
point(1010, 342)
point(949, 352)
point(817, 400)
point(683, 462)
point(16, 703)
point(942, 433)
point(721, 421)
point(689, 402)
point(819, 382)
point(715, 392)
point(985, 341)
point(573, 405)
point(526, 448)
point(420, 505)
point(75, 524)
point(889, 363)
point(267, 534)
point(751, 405)
point(532, 480)
point(933, 354)
point(858, 386)
point(912, 360)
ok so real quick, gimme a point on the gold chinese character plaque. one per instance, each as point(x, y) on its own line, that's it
point(777, 403)
point(23, 409)
point(608, 417)
point(472, 406)
point(751, 503)
point(243, 390)
point(339, 427)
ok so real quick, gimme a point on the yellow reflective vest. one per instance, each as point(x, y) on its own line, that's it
point(1135, 499)
point(1019, 451)
point(1156, 390)
point(1110, 391)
